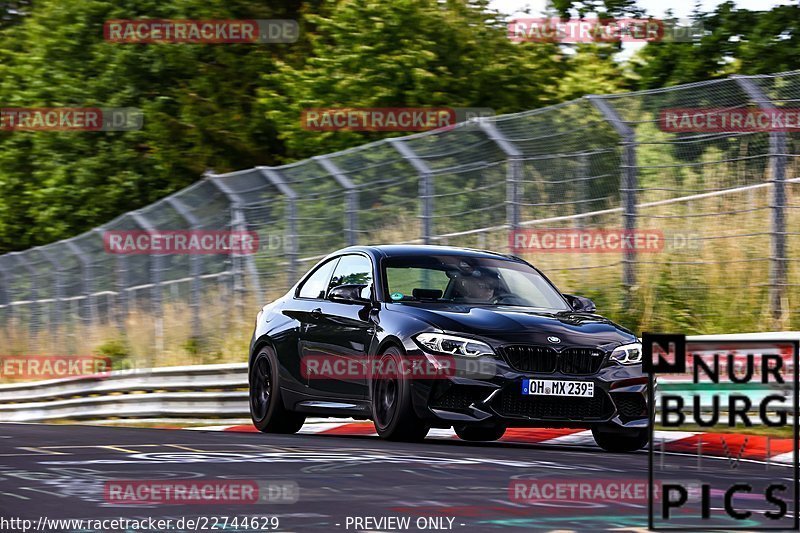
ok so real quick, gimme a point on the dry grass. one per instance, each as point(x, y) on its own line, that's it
point(719, 287)
point(143, 342)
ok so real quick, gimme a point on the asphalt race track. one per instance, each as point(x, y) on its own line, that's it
point(60, 471)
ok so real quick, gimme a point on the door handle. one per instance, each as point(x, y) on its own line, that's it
point(316, 313)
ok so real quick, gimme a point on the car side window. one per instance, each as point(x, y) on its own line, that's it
point(316, 285)
point(405, 280)
point(353, 270)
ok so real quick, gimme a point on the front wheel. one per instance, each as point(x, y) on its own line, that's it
point(392, 410)
point(266, 406)
point(620, 441)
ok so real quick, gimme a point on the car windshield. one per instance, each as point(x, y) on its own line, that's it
point(468, 280)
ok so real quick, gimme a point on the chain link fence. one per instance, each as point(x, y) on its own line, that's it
point(726, 202)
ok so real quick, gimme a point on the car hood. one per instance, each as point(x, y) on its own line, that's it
point(521, 324)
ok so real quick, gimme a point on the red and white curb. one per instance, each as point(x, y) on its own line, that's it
point(733, 445)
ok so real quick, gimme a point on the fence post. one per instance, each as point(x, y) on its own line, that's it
point(425, 186)
point(276, 179)
point(5, 296)
point(156, 266)
point(238, 222)
point(33, 294)
point(56, 316)
point(122, 283)
point(627, 189)
point(89, 316)
point(351, 195)
point(195, 264)
point(584, 175)
point(513, 176)
point(777, 159)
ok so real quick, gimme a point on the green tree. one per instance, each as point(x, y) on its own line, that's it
point(735, 41)
point(593, 70)
point(601, 8)
point(198, 103)
point(406, 53)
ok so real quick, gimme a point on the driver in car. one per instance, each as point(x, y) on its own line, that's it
point(478, 287)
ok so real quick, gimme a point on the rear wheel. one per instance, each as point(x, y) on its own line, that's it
point(392, 410)
point(620, 441)
point(480, 433)
point(266, 406)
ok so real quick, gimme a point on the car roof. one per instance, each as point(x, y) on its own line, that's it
point(401, 250)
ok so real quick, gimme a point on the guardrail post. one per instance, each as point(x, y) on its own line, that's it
point(425, 186)
point(276, 179)
point(513, 174)
point(351, 195)
point(627, 189)
point(777, 158)
point(195, 264)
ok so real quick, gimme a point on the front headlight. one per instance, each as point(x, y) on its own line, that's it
point(628, 354)
point(453, 345)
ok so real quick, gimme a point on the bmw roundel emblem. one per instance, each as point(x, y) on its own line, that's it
point(554, 340)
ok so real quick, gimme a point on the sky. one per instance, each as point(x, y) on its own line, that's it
point(655, 8)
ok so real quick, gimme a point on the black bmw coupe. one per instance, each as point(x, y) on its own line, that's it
point(420, 337)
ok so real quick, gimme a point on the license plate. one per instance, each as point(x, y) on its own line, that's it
point(557, 387)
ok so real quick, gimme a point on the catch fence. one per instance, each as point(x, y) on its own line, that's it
point(726, 203)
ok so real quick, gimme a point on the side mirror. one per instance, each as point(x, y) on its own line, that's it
point(348, 294)
point(579, 303)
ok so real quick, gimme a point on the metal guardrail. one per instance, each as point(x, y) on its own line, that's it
point(207, 391)
point(198, 392)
